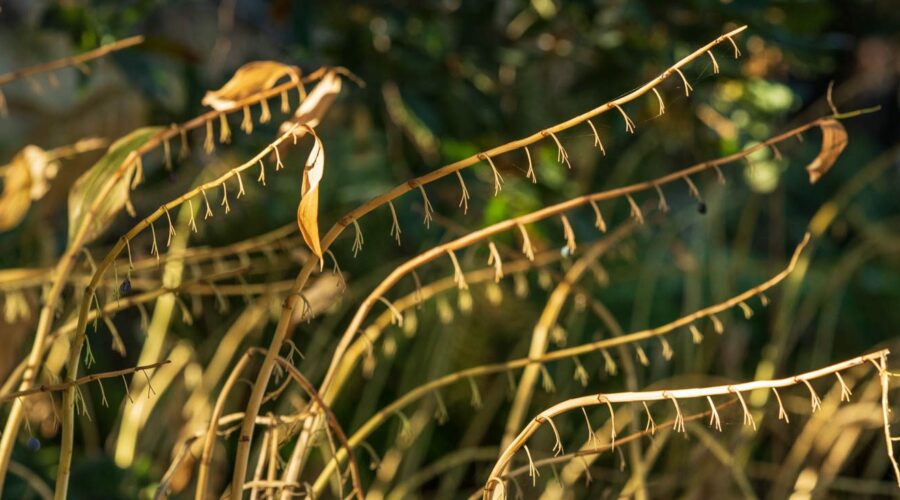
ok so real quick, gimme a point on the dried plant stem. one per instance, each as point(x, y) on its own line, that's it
point(45, 323)
point(620, 440)
point(629, 397)
point(202, 491)
point(540, 335)
point(67, 420)
point(884, 377)
point(108, 309)
point(70, 61)
point(484, 233)
point(360, 346)
point(16, 279)
point(206, 457)
point(423, 390)
point(66, 263)
point(81, 381)
point(281, 330)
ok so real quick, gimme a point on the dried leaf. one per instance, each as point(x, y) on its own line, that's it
point(87, 188)
point(24, 179)
point(250, 79)
point(313, 108)
point(308, 210)
point(834, 140)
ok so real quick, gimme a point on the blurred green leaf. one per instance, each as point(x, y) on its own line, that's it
point(90, 185)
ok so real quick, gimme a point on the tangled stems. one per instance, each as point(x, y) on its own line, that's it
point(67, 261)
point(124, 303)
point(509, 224)
point(75, 352)
point(243, 450)
point(548, 318)
point(673, 395)
point(21, 278)
point(384, 414)
point(307, 387)
point(362, 343)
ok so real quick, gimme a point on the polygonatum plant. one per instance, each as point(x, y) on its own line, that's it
point(256, 417)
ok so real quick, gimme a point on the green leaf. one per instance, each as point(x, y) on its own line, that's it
point(89, 186)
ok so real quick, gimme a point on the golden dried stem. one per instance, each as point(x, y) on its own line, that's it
point(672, 395)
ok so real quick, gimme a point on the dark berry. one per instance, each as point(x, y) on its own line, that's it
point(125, 287)
point(34, 444)
point(701, 207)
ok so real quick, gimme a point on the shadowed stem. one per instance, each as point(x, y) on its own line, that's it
point(80, 381)
point(70, 61)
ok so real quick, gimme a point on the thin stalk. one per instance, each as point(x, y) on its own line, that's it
point(674, 394)
point(44, 388)
point(70, 61)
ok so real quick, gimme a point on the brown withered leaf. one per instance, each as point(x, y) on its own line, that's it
point(308, 210)
point(25, 178)
point(316, 104)
point(834, 140)
point(251, 78)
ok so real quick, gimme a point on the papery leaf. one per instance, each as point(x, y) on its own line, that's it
point(88, 187)
point(308, 210)
point(316, 104)
point(834, 140)
point(24, 179)
point(250, 79)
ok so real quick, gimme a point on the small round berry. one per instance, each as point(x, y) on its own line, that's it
point(125, 287)
point(34, 444)
point(701, 207)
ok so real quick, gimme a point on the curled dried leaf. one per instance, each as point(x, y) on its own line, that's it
point(834, 140)
point(308, 210)
point(25, 178)
point(316, 104)
point(251, 78)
